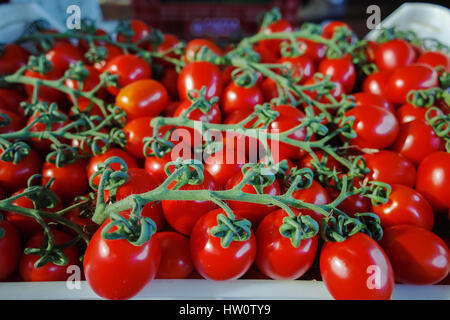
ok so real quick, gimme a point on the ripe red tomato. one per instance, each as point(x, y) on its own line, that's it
point(412, 77)
point(275, 27)
point(315, 194)
point(394, 54)
point(236, 98)
point(11, 99)
point(51, 271)
point(46, 94)
point(140, 182)
point(12, 58)
point(44, 145)
point(354, 204)
point(140, 31)
point(331, 162)
point(375, 127)
point(63, 54)
point(10, 250)
point(340, 70)
point(288, 118)
point(405, 206)
point(84, 45)
point(15, 176)
point(183, 214)
point(331, 27)
point(408, 112)
point(302, 67)
point(418, 256)
point(356, 268)
point(266, 55)
point(390, 167)
point(176, 261)
point(213, 116)
point(16, 121)
point(92, 167)
point(117, 269)
point(195, 75)
point(194, 46)
point(169, 43)
point(88, 84)
point(416, 140)
point(27, 226)
point(370, 50)
point(128, 68)
point(376, 82)
point(143, 98)
point(366, 98)
point(251, 211)
point(225, 163)
point(315, 50)
point(111, 52)
point(336, 92)
point(170, 80)
point(213, 261)
point(435, 59)
point(82, 216)
point(136, 130)
point(433, 180)
point(70, 180)
point(276, 256)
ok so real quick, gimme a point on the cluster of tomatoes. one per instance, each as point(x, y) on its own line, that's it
point(395, 138)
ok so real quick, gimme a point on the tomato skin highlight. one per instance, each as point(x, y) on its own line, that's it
point(276, 257)
point(418, 256)
point(176, 261)
point(195, 75)
point(10, 250)
point(213, 261)
point(405, 206)
point(394, 54)
point(340, 70)
point(51, 271)
point(117, 269)
point(433, 180)
point(344, 267)
point(236, 98)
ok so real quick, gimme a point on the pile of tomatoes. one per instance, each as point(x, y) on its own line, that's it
point(395, 138)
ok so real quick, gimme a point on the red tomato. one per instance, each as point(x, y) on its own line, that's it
point(331, 162)
point(213, 116)
point(27, 226)
point(111, 52)
point(183, 214)
point(365, 99)
point(405, 206)
point(412, 77)
point(275, 27)
point(266, 54)
point(51, 271)
point(12, 58)
point(176, 261)
point(92, 167)
point(356, 269)
point(336, 92)
point(11, 99)
point(70, 180)
point(340, 70)
point(46, 94)
point(10, 250)
point(140, 182)
point(394, 54)
point(128, 68)
point(418, 256)
point(136, 130)
point(408, 112)
point(143, 98)
point(276, 256)
point(435, 59)
point(195, 75)
point(170, 109)
point(83, 44)
point(140, 31)
point(170, 80)
point(288, 118)
point(390, 167)
point(301, 67)
point(117, 269)
point(315, 194)
point(194, 46)
point(63, 54)
point(43, 145)
point(213, 261)
point(433, 180)
point(169, 43)
point(16, 121)
point(236, 98)
point(331, 27)
point(370, 50)
point(354, 204)
point(376, 83)
point(88, 84)
point(416, 140)
point(375, 127)
point(315, 50)
point(79, 217)
point(15, 176)
point(155, 166)
point(251, 211)
point(225, 163)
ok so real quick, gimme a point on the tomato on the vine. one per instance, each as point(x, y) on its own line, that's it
point(195, 75)
point(236, 97)
point(63, 54)
point(301, 67)
point(193, 47)
point(176, 261)
point(212, 116)
point(315, 194)
point(12, 58)
point(15, 121)
point(10, 249)
point(331, 27)
point(394, 54)
point(340, 70)
point(275, 27)
point(141, 31)
point(366, 98)
point(408, 112)
point(348, 268)
point(215, 262)
point(315, 50)
point(376, 82)
point(276, 256)
point(435, 59)
point(45, 93)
